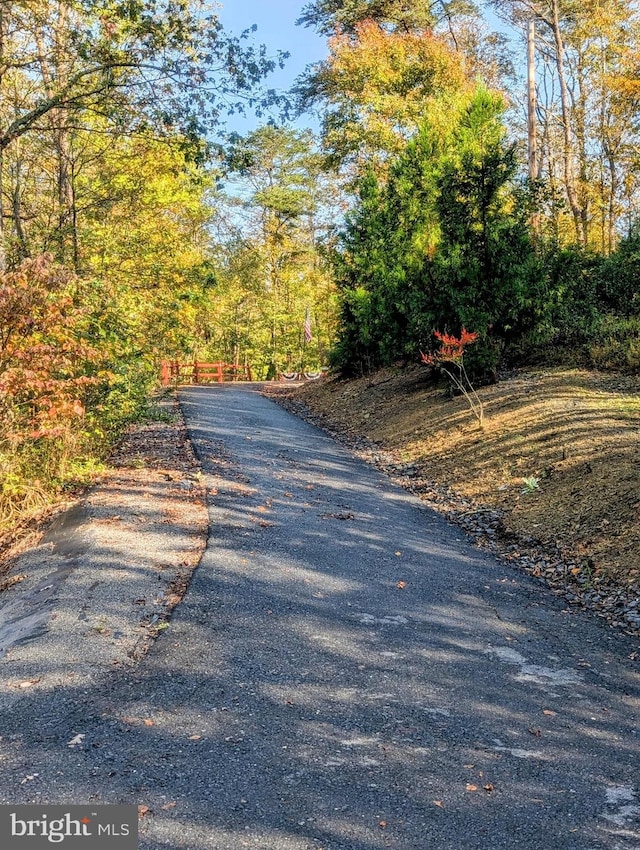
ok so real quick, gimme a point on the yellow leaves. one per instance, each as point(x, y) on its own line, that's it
point(384, 84)
point(28, 683)
point(376, 64)
point(471, 788)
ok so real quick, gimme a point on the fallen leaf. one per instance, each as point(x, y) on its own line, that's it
point(28, 683)
point(548, 712)
point(401, 585)
point(195, 737)
point(536, 732)
point(149, 722)
point(143, 810)
point(472, 787)
point(170, 805)
point(289, 495)
point(76, 740)
point(9, 582)
point(438, 803)
point(488, 788)
point(398, 553)
point(383, 824)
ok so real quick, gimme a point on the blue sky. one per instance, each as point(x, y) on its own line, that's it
point(275, 20)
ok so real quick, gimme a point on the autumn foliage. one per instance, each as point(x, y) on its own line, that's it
point(46, 370)
point(449, 358)
point(451, 348)
point(381, 85)
point(43, 360)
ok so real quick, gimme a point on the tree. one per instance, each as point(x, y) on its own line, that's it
point(143, 215)
point(587, 116)
point(327, 16)
point(165, 65)
point(485, 270)
point(441, 244)
point(378, 87)
point(271, 270)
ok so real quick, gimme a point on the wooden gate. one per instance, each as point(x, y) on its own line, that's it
point(197, 372)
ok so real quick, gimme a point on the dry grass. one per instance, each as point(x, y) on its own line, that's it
point(576, 432)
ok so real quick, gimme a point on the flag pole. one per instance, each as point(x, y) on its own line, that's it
point(307, 336)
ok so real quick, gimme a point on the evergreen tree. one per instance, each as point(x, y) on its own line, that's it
point(443, 244)
point(485, 267)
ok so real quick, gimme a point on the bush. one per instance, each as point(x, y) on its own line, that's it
point(617, 344)
point(65, 389)
point(618, 279)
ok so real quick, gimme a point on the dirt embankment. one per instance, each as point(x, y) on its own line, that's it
point(553, 480)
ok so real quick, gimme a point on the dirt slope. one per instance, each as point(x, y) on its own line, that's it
point(573, 435)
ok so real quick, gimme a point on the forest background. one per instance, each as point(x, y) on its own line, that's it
point(135, 228)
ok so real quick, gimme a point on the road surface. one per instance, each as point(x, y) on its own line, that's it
point(346, 672)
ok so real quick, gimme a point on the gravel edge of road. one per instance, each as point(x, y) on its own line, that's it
point(102, 581)
point(562, 571)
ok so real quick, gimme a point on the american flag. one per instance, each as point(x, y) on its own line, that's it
point(307, 327)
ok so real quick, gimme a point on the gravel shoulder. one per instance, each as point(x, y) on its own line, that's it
point(97, 585)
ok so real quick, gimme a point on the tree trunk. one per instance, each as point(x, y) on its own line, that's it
point(567, 153)
point(53, 70)
point(531, 101)
point(16, 203)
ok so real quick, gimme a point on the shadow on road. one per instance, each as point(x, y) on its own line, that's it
point(345, 673)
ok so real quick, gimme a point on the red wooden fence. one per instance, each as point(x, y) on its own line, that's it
point(202, 373)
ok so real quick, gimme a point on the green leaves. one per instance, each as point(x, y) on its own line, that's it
point(441, 243)
point(159, 61)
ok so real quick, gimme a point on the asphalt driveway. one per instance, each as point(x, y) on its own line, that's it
point(346, 672)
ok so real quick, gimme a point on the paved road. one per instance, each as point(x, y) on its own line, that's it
point(346, 672)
